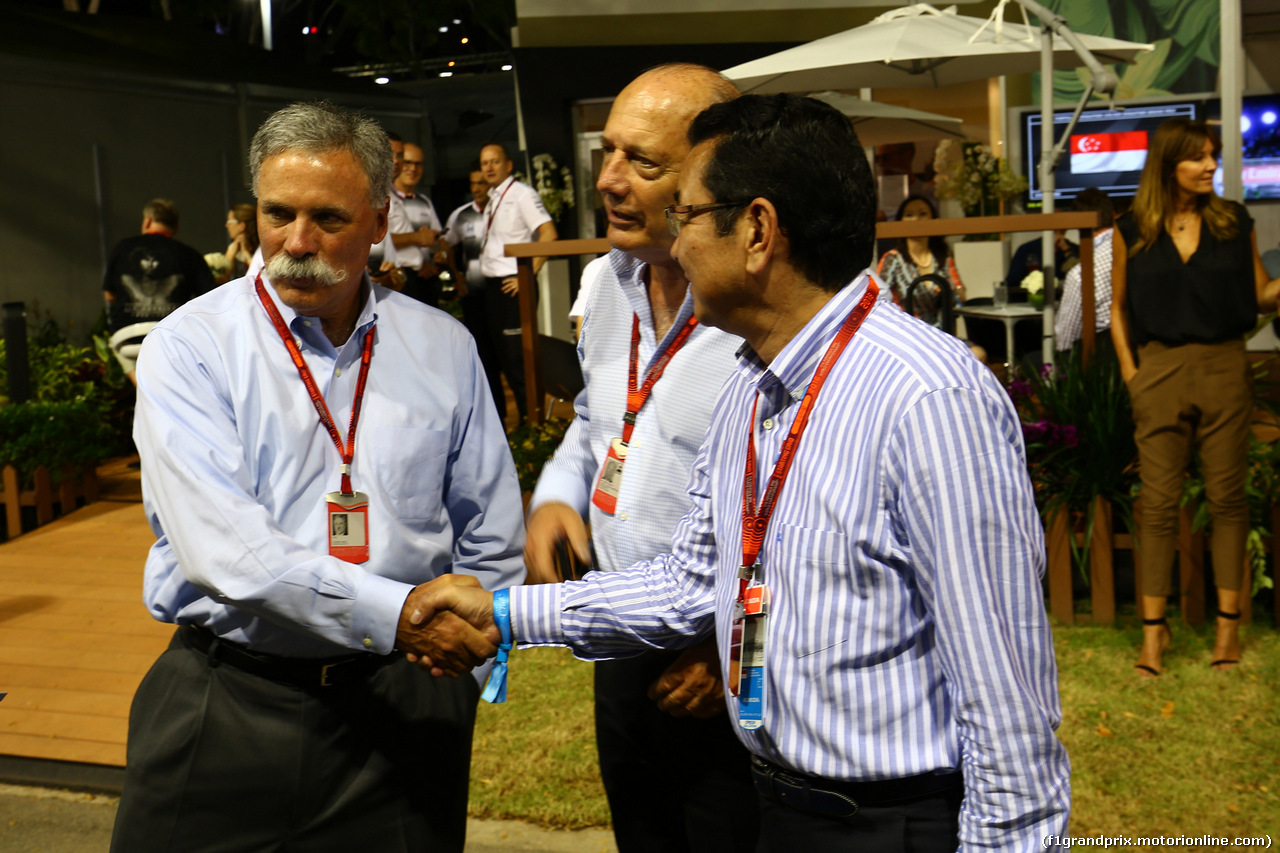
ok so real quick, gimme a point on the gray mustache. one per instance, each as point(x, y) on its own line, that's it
point(313, 268)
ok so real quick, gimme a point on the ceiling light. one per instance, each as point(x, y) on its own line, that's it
point(382, 81)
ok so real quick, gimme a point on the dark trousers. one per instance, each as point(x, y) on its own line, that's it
point(674, 784)
point(929, 824)
point(1194, 397)
point(475, 317)
point(503, 312)
point(223, 760)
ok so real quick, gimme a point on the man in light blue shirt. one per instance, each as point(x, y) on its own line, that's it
point(875, 583)
point(676, 778)
point(281, 717)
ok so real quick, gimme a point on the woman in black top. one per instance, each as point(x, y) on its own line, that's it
point(1187, 286)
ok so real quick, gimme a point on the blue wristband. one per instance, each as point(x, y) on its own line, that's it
point(495, 690)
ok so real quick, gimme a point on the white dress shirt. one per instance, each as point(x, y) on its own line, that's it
point(513, 215)
point(669, 428)
point(235, 467)
point(1067, 324)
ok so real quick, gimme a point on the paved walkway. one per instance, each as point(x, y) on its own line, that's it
point(39, 820)
point(75, 642)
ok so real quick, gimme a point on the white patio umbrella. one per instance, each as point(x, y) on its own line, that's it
point(917, 46)
point(885, 124)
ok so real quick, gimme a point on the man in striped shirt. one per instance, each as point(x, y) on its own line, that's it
point(903, 693)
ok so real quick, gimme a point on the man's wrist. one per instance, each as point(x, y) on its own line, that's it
point(535, 614)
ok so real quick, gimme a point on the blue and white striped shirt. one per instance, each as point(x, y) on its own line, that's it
point(669, 429)
point(908, 633)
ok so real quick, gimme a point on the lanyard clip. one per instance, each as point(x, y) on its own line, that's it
point(629, 418)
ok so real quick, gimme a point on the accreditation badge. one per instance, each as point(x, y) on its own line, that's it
point(348, 522)
point(610, 482)
point(746, 655)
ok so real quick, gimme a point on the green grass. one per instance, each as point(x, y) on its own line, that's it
point(1193, 752)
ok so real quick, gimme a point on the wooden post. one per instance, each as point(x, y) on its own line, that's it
point(1102, 586)
point(1246, 590)
point(12, 502)
point(89, 484)
point(1059, 569)
point(67, 490)
point(529, 338)
point(1137, 566)
point(44, 496)
point(1191, 569)
point(1088, 310)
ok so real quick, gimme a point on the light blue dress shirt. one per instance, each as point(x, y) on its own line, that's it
point(908, 633)
point(669, 428)
point(235, 467)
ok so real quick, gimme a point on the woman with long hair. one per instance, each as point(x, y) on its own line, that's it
point(917, 256)
point(1187, 285)
point(242, 228)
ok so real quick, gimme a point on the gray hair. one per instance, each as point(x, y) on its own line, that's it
point(320, 126)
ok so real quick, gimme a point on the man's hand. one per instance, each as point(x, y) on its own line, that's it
point(440, 640)
point(549, 525)
point(427, 237)
point(691, 686)
point(511, 286)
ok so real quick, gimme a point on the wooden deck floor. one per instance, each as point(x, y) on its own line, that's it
point(75, 639)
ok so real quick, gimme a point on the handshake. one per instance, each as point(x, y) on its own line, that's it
point(446, 625)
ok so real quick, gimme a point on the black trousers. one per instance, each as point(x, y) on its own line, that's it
point(503, 313)
point(674, 784)
point(930, 824)
point(223, 761)
point(475, 316)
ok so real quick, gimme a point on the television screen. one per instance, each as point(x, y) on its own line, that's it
point(1107, 150)
point(1260, 149)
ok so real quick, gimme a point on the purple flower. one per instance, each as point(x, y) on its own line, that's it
point(1069, 437)
point(1046, 370)
point(1019, 389)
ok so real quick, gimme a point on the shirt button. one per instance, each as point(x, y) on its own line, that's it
point(337, 372)
point(768, 423)
point(307, 323)
point(368, 642)
point(622, 516)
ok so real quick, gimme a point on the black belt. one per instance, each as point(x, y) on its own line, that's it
point(842, 799)
point(304, 672)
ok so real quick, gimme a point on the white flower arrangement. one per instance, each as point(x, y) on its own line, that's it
point(970, 173)
point(554, 185)
point(1034, 282)
point(217, 263)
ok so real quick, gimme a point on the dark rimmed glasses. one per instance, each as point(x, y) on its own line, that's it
point(679, 214)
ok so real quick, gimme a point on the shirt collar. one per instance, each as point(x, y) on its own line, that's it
point(296, 322)
point(791, 371)
point(631, 278)
point(495, 192)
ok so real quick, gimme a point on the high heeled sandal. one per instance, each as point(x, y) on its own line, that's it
point(1213, 664)
point(1150, 669)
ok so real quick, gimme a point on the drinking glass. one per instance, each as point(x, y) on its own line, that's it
point(1000, 295)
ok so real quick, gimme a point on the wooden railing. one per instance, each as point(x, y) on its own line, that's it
point(72, 486)
point(1085, 222)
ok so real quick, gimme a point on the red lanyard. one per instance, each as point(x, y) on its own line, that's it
point(755, 523)
point(494, 212)
point(636, 397)
point(348, 451)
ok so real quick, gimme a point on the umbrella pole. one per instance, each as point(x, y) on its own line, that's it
point(1047, 184)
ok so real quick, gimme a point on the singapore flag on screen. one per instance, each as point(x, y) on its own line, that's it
point(1125, 151)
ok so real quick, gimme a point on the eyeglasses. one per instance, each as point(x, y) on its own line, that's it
point(412, 164)
point(678, 215)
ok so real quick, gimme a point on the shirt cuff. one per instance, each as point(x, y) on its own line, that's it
point(535, 614)
point(379, 602)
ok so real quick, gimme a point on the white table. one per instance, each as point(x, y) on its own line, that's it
point(1009, 315)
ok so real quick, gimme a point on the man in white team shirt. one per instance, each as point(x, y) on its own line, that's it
point(514, 214)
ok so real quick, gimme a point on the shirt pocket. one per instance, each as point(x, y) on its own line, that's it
point(410, 464)
point(814, 588)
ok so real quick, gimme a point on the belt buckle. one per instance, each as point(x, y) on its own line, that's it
point(324, 675)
